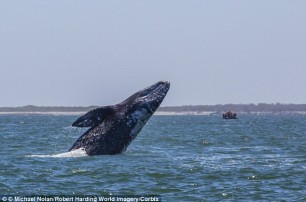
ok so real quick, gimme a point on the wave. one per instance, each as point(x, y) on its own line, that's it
point(71, 154)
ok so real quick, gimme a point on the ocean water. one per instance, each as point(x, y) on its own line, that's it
point(179, 158)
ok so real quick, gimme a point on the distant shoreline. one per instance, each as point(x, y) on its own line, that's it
point(158, 113)
point(261, 108)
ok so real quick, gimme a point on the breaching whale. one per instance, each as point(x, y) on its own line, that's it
point(114, 127)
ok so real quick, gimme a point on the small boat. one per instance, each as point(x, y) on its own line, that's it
point(230, 115)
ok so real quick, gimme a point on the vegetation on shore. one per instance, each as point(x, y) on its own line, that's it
point(246, 108)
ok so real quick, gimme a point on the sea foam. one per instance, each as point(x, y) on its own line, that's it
point(74, 153)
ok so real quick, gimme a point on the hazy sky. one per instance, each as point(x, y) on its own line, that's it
point(80, 53)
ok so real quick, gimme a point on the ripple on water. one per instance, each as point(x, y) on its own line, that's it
point(181, 158)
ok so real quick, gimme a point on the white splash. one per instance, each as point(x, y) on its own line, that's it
point(74, 153)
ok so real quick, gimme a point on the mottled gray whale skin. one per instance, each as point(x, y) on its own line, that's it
point(113, 128)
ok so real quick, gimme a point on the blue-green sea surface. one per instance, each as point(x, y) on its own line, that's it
point(180, 158)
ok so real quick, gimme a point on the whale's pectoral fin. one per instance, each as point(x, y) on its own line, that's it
point(93, 117)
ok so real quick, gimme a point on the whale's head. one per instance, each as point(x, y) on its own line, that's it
point(147, 99)
point(140, 106)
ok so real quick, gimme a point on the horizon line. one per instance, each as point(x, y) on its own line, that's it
point(184, 105)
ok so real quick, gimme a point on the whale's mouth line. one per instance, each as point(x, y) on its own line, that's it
point(161, 87)
point(160, 90)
